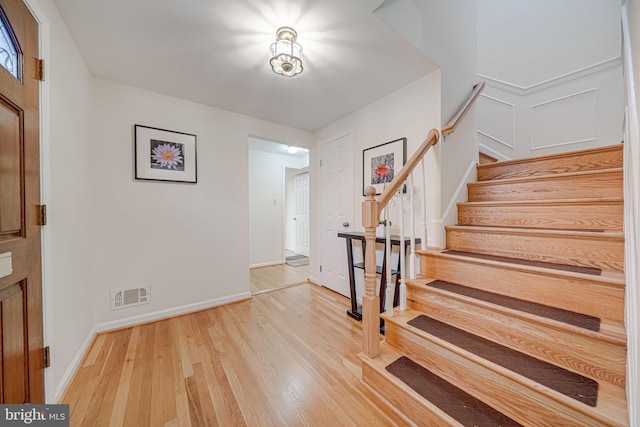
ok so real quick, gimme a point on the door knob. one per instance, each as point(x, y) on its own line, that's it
point(345, 224)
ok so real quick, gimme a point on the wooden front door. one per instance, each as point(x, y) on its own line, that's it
point(21, 348)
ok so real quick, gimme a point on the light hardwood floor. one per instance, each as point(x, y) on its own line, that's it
point(265, 279)
point(283, 358)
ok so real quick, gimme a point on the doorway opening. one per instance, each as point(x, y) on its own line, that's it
point(278, 215)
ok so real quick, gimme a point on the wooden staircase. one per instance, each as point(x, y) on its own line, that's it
point(520, 321)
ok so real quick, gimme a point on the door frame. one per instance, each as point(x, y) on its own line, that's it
point(44, 41)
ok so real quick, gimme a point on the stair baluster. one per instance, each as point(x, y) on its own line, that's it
point(403, 261)
point(423, 229)
point(390, 286)
point(412, 232)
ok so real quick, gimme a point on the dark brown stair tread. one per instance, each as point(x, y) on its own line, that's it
point(464, 408)
point(569, 317)
point(563, 267)
point(570, 384)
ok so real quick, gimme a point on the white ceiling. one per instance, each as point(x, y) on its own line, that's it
point(216, 52)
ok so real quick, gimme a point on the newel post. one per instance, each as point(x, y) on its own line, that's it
point(370, 301)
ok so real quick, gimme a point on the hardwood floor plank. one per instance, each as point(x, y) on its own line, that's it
point(283, 358)
point(224, 403)
point(195, 407)
point(103, 398)
point(96, 348)
point(206, 402)
point(122, 393)
point(181, 369)
point(139, 399)
point(163, 403)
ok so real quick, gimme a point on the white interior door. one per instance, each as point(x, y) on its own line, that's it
point(302, 214)
point(336, 171)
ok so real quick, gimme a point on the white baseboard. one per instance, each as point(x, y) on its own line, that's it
point(75, 364)
point(266, 264)
point(314, 280)
point(170, 312)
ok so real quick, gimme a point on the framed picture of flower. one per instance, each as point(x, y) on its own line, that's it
point(381, 163)
point(164, 155)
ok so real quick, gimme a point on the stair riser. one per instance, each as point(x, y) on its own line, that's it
point(600, 184)
point(415, 408)
point(581, 295)
point(609, 157)
point(522, 403)
point(586, 355)
point(600, 216)
point(603, 253)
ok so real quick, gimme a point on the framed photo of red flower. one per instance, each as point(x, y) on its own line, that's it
point(381, 163)
point(164, 155)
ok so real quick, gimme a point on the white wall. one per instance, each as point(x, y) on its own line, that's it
point(527, 43)
point(632, 207)
point(267, 206)
point(66, 182)
point(189, 242)
point(445, 31)
point(408, 112)
point(553, 83)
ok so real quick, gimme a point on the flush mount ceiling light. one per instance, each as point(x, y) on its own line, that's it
point(286, 54)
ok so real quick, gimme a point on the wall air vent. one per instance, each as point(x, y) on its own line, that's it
point(122, 298)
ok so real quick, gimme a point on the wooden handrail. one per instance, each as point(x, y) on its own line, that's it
point(432, 139)
point(450, 127)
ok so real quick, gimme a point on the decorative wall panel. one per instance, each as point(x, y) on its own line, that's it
point(567, 120)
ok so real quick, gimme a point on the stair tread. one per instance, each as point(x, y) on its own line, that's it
point(461, 406)
point(576, 201)
point(614, 279)
point(565, 316)
point(538, 159)
point(589, 234)
point(578, 387)
point(545, 177)
point(525, 262)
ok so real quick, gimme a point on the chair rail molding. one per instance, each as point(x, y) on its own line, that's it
point(576, 74)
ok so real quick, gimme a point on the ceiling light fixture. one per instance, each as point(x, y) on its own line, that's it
point(286, 54)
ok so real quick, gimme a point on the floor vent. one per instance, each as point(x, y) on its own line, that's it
point(122, 298)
